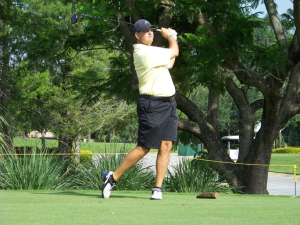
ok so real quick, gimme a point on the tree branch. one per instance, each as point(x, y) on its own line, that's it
point(164, 21)
point(236, 93)
point(189, 108)
point(258, 104)
point(202, 20)
point(129, 43)
point(213, 108)
point(297, 18)
point(290, 104)
point(294, 50)
point(189, 126)
point(245, 76)
point(275, 21)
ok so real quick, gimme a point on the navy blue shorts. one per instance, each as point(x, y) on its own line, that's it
point(158, 121)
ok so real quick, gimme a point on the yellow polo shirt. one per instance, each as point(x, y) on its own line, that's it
point(151, 67)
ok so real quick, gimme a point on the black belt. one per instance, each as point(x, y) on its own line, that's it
point(164, 99)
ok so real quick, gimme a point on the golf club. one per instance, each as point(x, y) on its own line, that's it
point(76, 17)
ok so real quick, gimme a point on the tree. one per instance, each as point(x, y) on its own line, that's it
point(32, 104)
point(11, 32)
point(268, 69)
point(217, 50)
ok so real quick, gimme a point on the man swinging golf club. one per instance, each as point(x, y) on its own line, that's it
point(156, 107)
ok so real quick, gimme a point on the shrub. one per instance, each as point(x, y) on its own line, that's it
point(86, 156)
point(289, 150)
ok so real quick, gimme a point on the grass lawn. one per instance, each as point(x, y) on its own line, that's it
point(279, 160)
point(85, 207)
point(95, 147)
point(34, 142)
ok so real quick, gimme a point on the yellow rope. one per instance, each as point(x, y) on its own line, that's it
point(245, 164)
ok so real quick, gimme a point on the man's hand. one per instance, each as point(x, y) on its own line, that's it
point(166, 32)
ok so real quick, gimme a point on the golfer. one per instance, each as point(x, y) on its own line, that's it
point(156, 107)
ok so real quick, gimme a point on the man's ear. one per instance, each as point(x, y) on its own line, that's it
point(136, 34)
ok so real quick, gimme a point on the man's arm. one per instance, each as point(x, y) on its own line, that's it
point(171, 63)
point(173, 46)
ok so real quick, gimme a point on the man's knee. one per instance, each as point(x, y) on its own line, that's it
point(166, 146)
point(143, 150)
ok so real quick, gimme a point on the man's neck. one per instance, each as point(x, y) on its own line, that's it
point(139, 42)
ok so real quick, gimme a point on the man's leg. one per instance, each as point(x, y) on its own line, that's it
point(110, 178)
point(131, 158)
point(162, 162)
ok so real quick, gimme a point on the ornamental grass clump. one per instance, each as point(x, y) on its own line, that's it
point(89, 176)
point(33, 170)
point(195, 175)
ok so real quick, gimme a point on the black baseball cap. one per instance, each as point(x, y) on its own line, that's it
point(142, 25)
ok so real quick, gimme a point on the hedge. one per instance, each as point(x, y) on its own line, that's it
point(289, 150)
point(86, 156)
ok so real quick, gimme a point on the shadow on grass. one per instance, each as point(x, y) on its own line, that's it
point(88, 195)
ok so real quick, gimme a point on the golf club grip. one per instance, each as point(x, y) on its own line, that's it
point(158, 30)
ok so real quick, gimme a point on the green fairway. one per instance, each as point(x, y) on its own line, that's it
point(85, 207)
point(280, 160)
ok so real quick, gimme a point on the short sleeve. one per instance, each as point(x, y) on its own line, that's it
point(156, 56)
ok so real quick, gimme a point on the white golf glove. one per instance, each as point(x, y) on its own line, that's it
point(174, 34)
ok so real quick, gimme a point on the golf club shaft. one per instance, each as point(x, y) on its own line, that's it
point(117, 21)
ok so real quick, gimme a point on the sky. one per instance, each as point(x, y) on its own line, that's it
point(282, 6)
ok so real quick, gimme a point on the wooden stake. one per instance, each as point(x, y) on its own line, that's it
point(211, 195)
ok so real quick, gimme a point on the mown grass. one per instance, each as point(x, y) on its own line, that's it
point(95, 147)
point(283, 163)
point(124, 207)
point(34, 142)
point(98, 147)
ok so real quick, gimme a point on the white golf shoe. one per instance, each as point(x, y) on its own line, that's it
point(109, 183)
point(156, 194)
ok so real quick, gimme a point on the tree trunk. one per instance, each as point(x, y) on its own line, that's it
point(77, 151)
point(8, 137)
point(258, 175)
point(43, 132)
point(65, 147)
point(89, 135)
